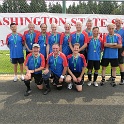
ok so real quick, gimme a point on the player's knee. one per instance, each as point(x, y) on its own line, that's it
point(68, 79)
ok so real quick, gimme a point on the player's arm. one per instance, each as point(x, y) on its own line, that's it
point(47, 50)
point(83, 47)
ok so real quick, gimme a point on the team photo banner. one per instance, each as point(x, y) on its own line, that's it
point(23, 19)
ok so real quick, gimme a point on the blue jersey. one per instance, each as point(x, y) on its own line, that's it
point(53, 39)
point(111, 53)
point(94, 49)
point(121, 32)
point(64, 41)
point(81, 38)
point(33, 63)
point(42, 40)
point(15, 43)
point(76, 64)
point(56, 65)
point(29, 38)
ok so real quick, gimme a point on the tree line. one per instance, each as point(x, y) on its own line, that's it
point(89, 7)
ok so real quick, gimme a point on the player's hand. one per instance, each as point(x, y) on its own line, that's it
point(60, 80)
point(79, 79)
point(45, 71)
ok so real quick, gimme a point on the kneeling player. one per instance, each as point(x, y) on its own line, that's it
point(76, 68)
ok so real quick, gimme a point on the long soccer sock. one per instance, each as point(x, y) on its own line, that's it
point(89, 76)
point(122, 75)
point(47, 83)
point(27, 83)
point(95, 76)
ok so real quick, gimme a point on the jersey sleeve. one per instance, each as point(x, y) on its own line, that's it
point(27, 58)
point(119, 39)
point(62, 38)
point(47, 37)
point(84, 60)
point(86, 39)
point(65, 63)
point(43, 60)
point(7, 43)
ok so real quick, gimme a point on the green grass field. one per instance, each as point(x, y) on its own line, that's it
point(7, 68)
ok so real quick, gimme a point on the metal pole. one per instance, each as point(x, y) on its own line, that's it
point(64, 6)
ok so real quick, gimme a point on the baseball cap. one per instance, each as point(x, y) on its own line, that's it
point(36, 45)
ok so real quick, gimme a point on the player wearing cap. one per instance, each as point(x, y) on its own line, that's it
point(15, 43)
point(112, 42)
point(57, 64)
point(34, 64)
point(94, 55)
point(64, 40)
point(53, 38)
point(76, 68)
point(42, 39)
point(29, 37)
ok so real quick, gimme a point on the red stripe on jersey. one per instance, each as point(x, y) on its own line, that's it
point(43, 60)
point(26, 60)
point(84, 60)
point(69, 40)
point(69, 56)
point(62, 37)
point(86, 39)
point(21, 37)
point(24, 35)
point(119, 38)
point(7, 38)
point(65, 63)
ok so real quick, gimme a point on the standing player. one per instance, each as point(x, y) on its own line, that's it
point(93, 56)
point(42, 39)
point(57, 64)
point(29, 38)
point(64, 40)
point(34, 64)
point(53, 38)
point(79, 37)
point(88, 30)
point(119, 30)
point(76, 68)
point(112, 42)
point(15, 43)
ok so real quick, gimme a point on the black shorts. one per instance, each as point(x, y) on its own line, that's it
point(77, 74)
point(105, 62)
point(38, 78)
point(93, 64)
point(120, 57)
point(55, 78)
point(17, 60)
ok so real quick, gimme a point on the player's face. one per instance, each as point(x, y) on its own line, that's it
point(36, 50)
point(13, 28)
point(67, 28)
point(89, 25)
point(43, 28)
point(118, 22)
point(31, 27)
point(78, 26)
point(55, 49)
point(76, 49)
point(95, 32)
point(53, 27)
point(111, 30)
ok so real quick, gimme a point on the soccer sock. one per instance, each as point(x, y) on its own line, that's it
point(27, 83)
point(47, 83)
point(95, 76)
point(113, 78)
point(89, 76)
point(83, 77)
point(122, 75)
point(103, 78)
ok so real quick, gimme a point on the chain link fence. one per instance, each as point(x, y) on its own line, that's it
point(54, 6)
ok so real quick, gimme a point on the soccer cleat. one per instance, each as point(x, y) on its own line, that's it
point(15, 78)
point(89, 83)
point(70, 86)
point(27, 93)
point(46, 91)
point(122, 82)
point(95, 84)
point(113, 84)
point(22, 77)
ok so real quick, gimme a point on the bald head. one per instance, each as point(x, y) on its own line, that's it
point(79, 26)
point(118, 22)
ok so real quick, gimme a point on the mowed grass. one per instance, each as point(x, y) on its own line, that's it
point(6, 66)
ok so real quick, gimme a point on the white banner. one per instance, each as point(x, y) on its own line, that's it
point(22, 20)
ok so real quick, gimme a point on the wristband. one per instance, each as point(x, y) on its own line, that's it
point(62, 76)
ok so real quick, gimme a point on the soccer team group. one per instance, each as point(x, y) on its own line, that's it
point(64, 57)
